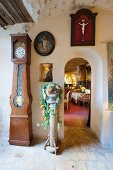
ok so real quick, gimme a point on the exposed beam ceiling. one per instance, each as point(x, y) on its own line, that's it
point(71, 65)
point(22, 11)
point(12, 12)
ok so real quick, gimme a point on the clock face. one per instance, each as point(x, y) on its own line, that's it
point(20, 52)
point(19, 49)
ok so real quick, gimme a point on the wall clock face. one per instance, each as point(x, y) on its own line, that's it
point(44, 43)
point(19, 49)
point(20, 52)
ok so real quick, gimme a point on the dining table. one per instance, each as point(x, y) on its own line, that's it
point(75, 96)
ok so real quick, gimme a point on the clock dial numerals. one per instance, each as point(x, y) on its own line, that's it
point(19, 49)
point(20, 52)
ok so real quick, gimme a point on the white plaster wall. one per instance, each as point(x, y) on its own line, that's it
point(96, 55)
point(5, 80)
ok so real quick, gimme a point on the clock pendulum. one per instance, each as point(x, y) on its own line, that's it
point(21, 99)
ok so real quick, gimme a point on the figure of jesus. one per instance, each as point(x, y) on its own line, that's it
point(83, 24)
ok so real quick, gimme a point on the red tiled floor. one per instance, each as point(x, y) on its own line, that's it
point(76, 115)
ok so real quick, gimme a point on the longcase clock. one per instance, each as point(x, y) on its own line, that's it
point(21, 99)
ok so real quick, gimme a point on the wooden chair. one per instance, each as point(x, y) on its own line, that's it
point(85, 98)
point(66, 101)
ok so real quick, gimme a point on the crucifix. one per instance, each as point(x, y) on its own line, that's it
point(83, 27)
point(83, 24)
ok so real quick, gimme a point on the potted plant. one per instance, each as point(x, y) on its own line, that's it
point(50, 94)
point(50, 98)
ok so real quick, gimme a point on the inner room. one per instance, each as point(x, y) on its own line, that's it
point(77, 93)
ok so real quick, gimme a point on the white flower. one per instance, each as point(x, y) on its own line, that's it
point(44, 96)
point(38, 124)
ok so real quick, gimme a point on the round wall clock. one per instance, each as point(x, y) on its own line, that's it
point(44, 43)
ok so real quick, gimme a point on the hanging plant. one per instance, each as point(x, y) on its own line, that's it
point(50, 95)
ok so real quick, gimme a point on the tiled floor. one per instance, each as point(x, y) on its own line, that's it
point(81, 151)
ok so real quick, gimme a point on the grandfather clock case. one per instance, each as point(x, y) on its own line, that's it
point(21, 99)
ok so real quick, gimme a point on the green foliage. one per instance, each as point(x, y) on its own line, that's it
point(54, 90)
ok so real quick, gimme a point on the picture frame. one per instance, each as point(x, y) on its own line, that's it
point(83, 28)
point(46, 72)
point(44, 43)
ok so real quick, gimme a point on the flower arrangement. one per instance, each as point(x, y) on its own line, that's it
point(50, 94)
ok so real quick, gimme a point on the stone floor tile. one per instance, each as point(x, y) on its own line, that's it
point(81, 165)
point(38, 165)
point(70, 165)
point(65, 165)
point(48, 164)
point(10, 166)
point(101, 157)
point(109, 156)
point(91, 165)
point(93, 156)
point(77, 148)
point(74, 156)
point(83, 156)
point(80, 151)
point(109, 165)
point(101, 165)
point(60, 165)
point(2, 159)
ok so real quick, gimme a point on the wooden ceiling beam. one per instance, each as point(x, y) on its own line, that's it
point(18, 5)
point(12, 12)
point(10, 8)
point(5, 17)
point(24, 10)
point(7, 12)
point(2, 22)
point(14, 3)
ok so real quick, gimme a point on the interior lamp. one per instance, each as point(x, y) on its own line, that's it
point(83, 89)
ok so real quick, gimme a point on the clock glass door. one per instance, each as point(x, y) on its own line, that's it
point(19, 100)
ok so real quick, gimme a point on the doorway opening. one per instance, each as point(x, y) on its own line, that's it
point(77, 93)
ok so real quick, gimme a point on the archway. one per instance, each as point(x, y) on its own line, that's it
point(95, 62)
point(77, 93)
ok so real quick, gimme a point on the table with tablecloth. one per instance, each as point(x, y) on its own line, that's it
point(75, 96)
